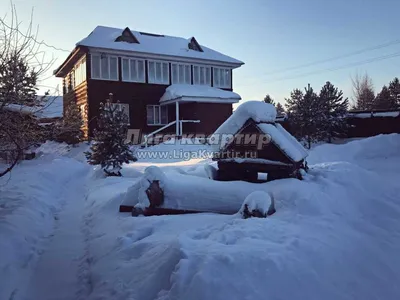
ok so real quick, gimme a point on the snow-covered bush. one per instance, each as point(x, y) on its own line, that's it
point(258, 204)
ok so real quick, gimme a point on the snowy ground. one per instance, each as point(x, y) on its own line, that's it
point(336, 235)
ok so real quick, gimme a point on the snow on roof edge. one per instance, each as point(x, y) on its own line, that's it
point(176, 91)
point(104, 37)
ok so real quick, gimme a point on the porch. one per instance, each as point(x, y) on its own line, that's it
point(195, 109)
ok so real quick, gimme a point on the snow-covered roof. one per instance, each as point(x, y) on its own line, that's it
point(198, 93)
point(257, 110)
point(52, 107)
point(366, 115)
point(264, 115)
point(284, 140)
point(104, 37)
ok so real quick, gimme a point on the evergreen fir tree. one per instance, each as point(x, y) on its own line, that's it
point(305, 115)
point(394, 90)
point(17, 80)
point(268, 99)
point(279, 109)
point(384, 99)
point(334, 109)
point(109, 148)
point(71, 129)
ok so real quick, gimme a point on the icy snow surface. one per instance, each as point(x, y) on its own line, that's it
point(196, 92)
point(335, 235)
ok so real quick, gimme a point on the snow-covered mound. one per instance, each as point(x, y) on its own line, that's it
point(257, 201)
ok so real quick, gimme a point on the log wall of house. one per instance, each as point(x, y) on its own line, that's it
point(79, 97)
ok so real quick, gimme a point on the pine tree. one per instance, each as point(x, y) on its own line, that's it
point(71, 128)
point(384, 100)
point(268, 99)
point(17, 80)
point(109, 148)
point(279, 109)
point(305, 115)
point(394, 90)
point(334, 109)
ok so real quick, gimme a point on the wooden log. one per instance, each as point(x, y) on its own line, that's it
point(125, 208)
point(160, 211)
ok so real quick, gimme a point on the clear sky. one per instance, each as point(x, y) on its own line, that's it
point(268, 35)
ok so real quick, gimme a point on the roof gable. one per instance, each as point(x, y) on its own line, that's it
point(127, 36)
point(194, 45)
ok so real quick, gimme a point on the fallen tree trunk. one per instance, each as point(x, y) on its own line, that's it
point(186, 194)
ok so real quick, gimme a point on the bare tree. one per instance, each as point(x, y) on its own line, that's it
point(22, 64)
point(363, 92)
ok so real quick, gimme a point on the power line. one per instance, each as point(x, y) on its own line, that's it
point(379, 58)
point(341, 67)
point(335, 57)
point(33, 38)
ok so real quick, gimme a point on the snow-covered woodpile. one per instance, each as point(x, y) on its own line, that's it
point(252, 147)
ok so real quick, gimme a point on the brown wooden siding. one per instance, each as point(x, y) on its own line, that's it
point(78, 96)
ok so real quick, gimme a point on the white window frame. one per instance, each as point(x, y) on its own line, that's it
point(159, 115)
point(226, 85)
point(205, 72)
point(177, 64)
point(164, 81)
point(109, 69)
point(80, 72)
point(143, 76)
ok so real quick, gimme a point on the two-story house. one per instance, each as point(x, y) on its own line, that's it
point(157, 79)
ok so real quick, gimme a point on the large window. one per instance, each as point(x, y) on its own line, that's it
point(133, 70)
point(104, 67)
point(201, 75)
point(181, 73)
point(158, 72)
point(80, 72)
point(222, 78)
point(157, 115)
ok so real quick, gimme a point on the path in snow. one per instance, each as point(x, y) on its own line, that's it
point(62, 269)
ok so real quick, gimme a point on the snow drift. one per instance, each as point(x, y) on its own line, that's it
point(336, 235)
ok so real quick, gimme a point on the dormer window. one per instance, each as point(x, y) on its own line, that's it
point(194, 45)
point(127, 36)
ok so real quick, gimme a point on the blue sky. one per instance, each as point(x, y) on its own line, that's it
point(268, 35)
